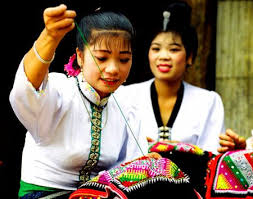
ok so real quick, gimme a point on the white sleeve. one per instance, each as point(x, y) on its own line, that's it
point(214, 125)
point(136, 144)
point(38, 110)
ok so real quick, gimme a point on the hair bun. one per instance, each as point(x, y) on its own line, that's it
point(180, 13)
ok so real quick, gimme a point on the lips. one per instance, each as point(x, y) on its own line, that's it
point(110, 82)
point(164, 68)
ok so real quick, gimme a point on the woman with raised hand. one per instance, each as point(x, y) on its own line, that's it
point(74, 127)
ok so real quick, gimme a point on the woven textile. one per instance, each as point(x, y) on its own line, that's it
point(176, 146)
point(145, 176)
point(188, 157)
point(231, 175)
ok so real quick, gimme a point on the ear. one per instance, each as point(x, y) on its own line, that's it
point(79, 54)
point(189, 60)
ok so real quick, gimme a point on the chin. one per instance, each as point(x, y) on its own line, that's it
point(107, 91)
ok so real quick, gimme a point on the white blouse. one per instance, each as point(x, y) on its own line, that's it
point(58, 140)
point(199, 121)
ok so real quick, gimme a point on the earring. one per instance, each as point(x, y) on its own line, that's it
point(81, 69)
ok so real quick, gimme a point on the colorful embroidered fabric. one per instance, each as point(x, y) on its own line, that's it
point(176, 146)
point(231, 175)
point(135, 178)
point(190, 158)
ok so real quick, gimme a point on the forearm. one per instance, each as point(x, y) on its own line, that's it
point(36, 70)
point(58, 21)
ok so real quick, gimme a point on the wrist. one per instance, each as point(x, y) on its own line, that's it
point(39, 57)
point(44, 48)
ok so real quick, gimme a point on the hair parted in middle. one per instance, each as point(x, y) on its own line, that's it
point(177, 19)
point(105, 24)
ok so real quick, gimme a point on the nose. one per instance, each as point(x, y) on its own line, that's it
point(112, 68)
point(164, 54)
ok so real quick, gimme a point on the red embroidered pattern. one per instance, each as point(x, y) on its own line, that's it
point(231, 175)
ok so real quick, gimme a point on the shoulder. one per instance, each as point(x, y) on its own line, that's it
point(194, 91)
point(62, 84)
point(201, 97)
point(134, 88)
point(123, 107)
point(134, 94)
point(145, 84)
point(60, 79)
point(130, 96)
point(57, 77)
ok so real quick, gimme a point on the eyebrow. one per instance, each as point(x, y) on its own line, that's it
point(125, 52)
point(109, 52)
point(171, 44)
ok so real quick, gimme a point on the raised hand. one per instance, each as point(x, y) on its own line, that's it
point(58, 21)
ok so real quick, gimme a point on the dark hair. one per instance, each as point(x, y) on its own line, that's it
point(111, 22)
point(180, 23)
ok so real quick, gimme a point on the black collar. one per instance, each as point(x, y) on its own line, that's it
point(156, 109)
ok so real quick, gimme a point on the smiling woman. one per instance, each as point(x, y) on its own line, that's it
point(72, 133)
point(107, 61)
point(167, 57)
point(172, 109)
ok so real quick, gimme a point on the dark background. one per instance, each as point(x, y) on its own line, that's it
point(21, 24)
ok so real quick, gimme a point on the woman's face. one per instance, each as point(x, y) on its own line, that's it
point(106, 65)
point(167, 57)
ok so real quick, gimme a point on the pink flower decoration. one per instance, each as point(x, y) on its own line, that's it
point(70, 69)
